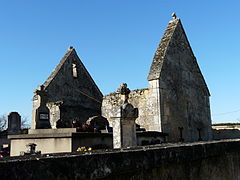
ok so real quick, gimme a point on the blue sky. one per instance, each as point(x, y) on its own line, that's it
point(116, 41)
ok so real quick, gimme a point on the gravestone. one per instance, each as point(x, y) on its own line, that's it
point(42, 118)
point(14, 123)
point(124, 126)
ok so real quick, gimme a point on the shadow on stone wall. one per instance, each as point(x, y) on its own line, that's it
point(206, 160)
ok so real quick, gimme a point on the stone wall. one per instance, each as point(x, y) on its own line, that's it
point(192, 161)
point(226, 134)
point(138, 98)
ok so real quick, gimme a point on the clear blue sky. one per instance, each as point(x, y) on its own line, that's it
point(116, 41)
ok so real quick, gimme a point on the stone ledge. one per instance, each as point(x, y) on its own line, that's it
point(52, 131)
point(39, 136)
point(224, 144)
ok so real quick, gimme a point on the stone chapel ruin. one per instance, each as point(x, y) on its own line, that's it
point(176, 103)
point(177, 99)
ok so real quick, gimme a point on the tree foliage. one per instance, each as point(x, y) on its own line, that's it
point(25, 123)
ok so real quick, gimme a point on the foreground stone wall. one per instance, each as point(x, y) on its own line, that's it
point(206, 160)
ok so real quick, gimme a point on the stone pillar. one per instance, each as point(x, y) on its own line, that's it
point(154, 103)
point(41, 116)
point(14, 123)
point(124, 126)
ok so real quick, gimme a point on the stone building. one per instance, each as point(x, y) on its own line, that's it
point(68, 94)
point(176, 103)
point(177, 99)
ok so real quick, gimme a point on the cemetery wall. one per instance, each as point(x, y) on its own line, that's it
point(203, 160)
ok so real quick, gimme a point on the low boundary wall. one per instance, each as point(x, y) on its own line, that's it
point(203, 160)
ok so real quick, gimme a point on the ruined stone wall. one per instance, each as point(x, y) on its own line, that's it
point(192, 161)
point(138, 98)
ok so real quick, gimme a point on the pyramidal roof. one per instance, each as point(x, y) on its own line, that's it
point(173, 33)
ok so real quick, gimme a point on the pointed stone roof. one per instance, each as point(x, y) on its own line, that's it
point(174, 34)
point(71, 52)
point(56, 70)
point(161, 50)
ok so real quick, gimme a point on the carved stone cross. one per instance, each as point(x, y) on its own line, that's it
point(124, 126)
point(125, 91)
point(43, 95)
point(42, 119)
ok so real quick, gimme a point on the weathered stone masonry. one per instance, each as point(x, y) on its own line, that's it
point(177, 99)
point(71, 92)
point(137, 98)
point(192, 161)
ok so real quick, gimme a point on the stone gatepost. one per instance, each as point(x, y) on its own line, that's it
point(14, 123)
point(41, 116)
point(124, 126)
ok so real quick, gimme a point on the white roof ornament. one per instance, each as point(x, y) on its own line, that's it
point(174, 16)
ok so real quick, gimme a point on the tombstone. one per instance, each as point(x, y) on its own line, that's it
point(124, 126)
point(42, 118)
point(14, 123)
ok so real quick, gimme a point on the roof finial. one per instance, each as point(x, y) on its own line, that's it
point(70, 48)
point(174, 16)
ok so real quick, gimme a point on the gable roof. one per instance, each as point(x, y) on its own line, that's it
point(57, 69)
point(70, 52)
point(160, 54)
